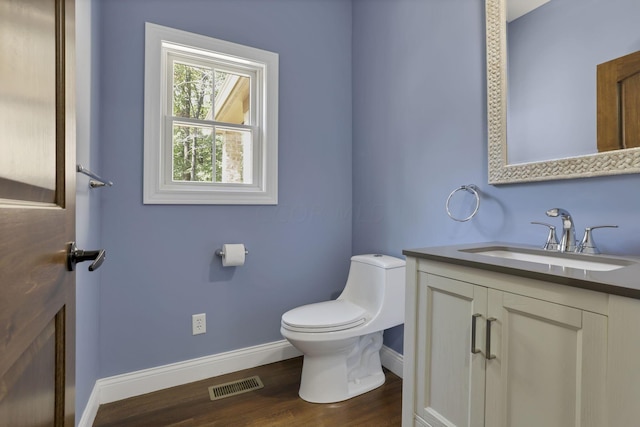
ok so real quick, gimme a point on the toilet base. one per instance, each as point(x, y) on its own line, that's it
point(353, 370)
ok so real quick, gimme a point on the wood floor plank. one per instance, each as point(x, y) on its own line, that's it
point(275, 405)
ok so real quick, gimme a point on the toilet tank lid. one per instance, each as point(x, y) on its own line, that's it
point(379, 260)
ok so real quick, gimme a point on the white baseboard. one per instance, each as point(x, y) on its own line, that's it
point(111, 389)
point(141, 382)
point(392, 360)
point(91, 410)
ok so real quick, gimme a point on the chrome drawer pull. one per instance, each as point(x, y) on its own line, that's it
point(474, 350)
point(489, 356)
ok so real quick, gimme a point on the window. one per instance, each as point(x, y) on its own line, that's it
point(211, 121)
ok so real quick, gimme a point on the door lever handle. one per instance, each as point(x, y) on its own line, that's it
point(76, 255)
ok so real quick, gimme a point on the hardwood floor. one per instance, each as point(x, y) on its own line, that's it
point(275, 405)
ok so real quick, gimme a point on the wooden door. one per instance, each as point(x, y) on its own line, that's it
point(619, 103)
point(37, 212)
point(549, 367)
point(454, 377)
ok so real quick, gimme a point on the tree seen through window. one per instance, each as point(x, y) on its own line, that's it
point(204, 151)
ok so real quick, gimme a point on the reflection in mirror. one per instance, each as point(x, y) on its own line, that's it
point(619, 103)
point(552, 54)
point(554, 48)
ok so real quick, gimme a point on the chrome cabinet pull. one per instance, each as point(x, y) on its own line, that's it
point(474, 317)
point(488, 355)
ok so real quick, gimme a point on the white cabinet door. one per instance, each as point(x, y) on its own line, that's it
point(549, 367)
point(450, 382)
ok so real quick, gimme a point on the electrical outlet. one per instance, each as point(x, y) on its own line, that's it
point(199, 323)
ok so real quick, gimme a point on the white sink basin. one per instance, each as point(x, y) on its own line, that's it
point(582, 262)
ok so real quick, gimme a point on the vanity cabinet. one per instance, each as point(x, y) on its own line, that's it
point(490, 349)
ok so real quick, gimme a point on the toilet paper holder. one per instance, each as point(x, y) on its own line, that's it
point(220, 252)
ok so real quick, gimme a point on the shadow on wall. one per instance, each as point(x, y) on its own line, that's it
point(218, 273)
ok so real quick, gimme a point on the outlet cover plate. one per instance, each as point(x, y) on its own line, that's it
point(199, 324)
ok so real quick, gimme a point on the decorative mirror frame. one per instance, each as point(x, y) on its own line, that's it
point(500, 172)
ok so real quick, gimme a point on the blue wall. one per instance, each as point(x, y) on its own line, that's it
point(419, 132)
point(161, 267)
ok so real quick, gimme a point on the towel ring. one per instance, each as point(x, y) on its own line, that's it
point(471, 189)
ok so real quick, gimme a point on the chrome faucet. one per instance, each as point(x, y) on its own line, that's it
point(568, 240)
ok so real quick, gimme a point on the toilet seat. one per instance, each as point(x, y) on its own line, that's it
point(327, 316)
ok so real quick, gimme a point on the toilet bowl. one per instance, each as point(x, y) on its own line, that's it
point(341, 339)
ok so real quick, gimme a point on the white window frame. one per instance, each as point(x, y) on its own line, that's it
point(161, 43)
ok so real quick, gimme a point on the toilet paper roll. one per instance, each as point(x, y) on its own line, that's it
point(233, 254)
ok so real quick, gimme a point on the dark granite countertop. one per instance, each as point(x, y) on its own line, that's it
point(624, 281)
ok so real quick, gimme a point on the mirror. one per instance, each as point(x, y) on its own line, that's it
point(572, 123)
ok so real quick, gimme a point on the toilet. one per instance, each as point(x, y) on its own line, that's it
point(341, 339)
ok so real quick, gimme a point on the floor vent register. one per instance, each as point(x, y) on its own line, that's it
point(234, 388)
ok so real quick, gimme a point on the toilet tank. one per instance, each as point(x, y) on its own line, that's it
point(376, 283)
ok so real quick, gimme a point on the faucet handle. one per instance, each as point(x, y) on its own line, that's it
point(552, 241)
point(588, 245)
